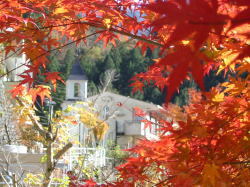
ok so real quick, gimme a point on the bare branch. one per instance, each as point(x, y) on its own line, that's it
point(109, 76)
point(63, 150)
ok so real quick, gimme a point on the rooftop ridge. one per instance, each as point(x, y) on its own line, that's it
point(124, 97)
point(76, 72)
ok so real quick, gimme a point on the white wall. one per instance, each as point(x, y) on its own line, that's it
point(132, 127)
point(15, 62)
point(70, 89)
point(137, 128)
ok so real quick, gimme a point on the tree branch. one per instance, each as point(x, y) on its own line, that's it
point(49, 51)
point(101, 26)
point(62, 151)
point(218, 22)
point(237, 162)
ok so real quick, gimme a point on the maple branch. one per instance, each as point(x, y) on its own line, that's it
point(61, 152)
point(55, 136)
point(124, 33)
point(9, 56)
point(101, 26)
point(219, 22)
point(165, 180)
point(112, 29)
point(239, 162)
point(49, 51)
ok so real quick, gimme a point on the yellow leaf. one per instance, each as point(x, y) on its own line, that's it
point(107, 22)
point(228, 60)
point(60, 11)
point(219, 97)
point(100, 129)
point(185, 42)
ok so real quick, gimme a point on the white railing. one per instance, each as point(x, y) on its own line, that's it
point(90, 156)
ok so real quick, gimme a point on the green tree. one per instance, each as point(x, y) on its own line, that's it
point(108, 63)
point(115, 153)
point(132, 63)
point(116, 57)
point(92, 89)
point(67, 62)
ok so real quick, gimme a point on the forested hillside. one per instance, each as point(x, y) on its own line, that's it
point(126, 62)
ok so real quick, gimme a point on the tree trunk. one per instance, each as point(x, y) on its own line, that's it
point(14, 180)
point(49, 165)
point(7, 132)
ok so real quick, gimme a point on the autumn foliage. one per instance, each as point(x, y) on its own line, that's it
point(207, 143)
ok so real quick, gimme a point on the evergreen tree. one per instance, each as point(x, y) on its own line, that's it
point(108, 63)
point(92, 62)
point(66, 63)
point(92, 89)
point(153, 94)
point(116, 57)
point(131, 64)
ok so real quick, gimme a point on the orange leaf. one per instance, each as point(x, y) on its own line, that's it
point(53, 77)
point(41, 91)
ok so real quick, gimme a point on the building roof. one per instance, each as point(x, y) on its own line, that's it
point(76, 72)
point(123, 100)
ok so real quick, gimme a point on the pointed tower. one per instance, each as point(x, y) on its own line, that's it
point(77, 84)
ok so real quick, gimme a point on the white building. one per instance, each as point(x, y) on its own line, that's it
point(14, 63)
point(76, 85)
point(76, 90)
point(117, 110)
point(125, 126)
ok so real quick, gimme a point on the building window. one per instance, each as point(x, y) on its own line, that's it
point(119, 128)
point(76, 90)
point(105, 111)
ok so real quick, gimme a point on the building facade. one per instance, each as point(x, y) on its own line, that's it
point(118, 111)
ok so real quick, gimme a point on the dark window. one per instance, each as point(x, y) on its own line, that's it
point(76, 90)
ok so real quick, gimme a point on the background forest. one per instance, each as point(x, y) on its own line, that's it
point(127, 61)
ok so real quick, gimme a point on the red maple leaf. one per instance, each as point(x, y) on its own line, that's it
point(183, 60)
point(17, 90)
point(53, 77)
point(88, 183)
point(27, 79)
point(40, 91)
point(107, 37)
point(196, 18)
point(137, 86)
